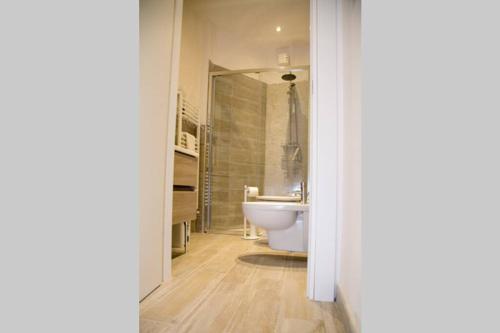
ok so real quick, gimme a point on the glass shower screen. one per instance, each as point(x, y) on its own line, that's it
point(257, 136)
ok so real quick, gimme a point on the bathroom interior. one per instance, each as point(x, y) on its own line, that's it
point(240, 202)
point(242, 123)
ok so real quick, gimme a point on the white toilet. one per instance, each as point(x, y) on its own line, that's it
point(286, 223)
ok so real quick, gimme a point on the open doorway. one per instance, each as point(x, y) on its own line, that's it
point(242, 105)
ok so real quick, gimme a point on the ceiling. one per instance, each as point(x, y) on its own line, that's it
point(255, 21)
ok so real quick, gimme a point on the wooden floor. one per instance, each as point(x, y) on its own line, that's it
point(226, 284)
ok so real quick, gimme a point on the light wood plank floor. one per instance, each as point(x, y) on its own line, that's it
point(226, 284)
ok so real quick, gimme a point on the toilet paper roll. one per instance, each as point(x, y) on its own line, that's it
point(252, 191)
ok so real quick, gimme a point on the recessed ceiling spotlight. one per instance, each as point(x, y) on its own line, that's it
point(278, 28)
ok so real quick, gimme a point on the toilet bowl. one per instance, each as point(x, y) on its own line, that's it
point(278, 198)
point(286, 223)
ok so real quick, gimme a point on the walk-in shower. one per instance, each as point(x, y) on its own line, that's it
point(256, 134)
point(292, 150)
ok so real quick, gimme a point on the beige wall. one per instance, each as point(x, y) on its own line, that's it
point(349, 272)
point(156, 24)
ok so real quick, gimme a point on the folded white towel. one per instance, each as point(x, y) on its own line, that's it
point(190, 141)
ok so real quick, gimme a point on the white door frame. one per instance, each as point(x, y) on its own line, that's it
point(325, 149)
point(171, 120)
point(325, 153)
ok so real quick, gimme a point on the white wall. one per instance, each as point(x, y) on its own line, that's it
point(195, 54)
point(231, 51)
point(204, 41)
point(156, 27)
point(349, 229)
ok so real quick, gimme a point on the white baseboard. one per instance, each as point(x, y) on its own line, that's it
point(345, 318)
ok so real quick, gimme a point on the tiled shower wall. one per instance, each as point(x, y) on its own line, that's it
point(238, 146)
point(282, 175)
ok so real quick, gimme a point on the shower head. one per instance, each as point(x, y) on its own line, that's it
point(288, 77)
